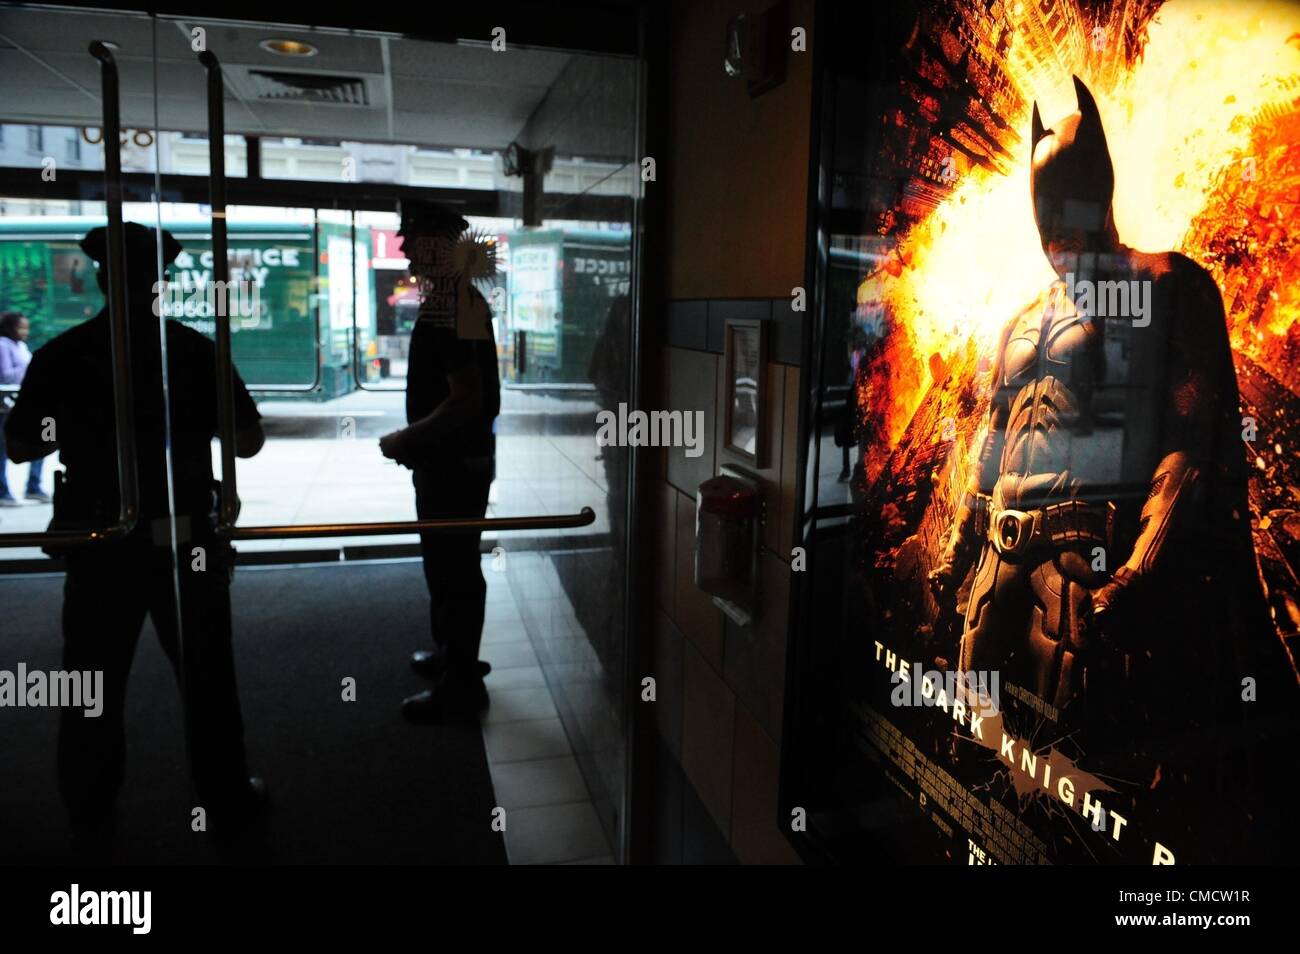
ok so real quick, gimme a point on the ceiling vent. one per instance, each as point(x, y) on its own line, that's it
point(316, 89)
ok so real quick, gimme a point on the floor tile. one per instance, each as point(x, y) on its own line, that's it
point(503, 633)
point(519, 741)
point(538, 782)
point(505, 655)
point(521, 705)
point(553, 834)
point(503, 611)
point(516, 677)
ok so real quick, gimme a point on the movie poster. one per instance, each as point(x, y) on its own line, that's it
point(1073, 409)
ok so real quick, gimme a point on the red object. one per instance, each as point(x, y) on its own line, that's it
point(728, 497)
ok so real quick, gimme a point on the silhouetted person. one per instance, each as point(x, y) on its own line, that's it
point(76, 283)
point(66, 404)
point(453, 395)
point(14, 359)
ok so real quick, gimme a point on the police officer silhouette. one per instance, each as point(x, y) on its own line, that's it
point(453, 395)
point(111, 586)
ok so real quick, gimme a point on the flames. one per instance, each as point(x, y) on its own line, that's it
point(1199, 125)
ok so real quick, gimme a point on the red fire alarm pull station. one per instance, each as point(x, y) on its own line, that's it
point(728, 512)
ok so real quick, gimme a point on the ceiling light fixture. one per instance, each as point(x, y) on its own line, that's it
point(283, 47)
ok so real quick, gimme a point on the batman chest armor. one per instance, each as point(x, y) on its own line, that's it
point(1048, 370)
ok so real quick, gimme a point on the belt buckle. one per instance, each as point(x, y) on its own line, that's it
point(1012, 531)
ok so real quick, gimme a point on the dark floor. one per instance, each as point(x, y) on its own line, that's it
point(350, 781)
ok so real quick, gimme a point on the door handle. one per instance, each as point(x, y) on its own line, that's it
point(585, 517)
point(221, 273)
point(119, 335)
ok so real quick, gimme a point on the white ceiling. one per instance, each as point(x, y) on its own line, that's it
point(433, 94)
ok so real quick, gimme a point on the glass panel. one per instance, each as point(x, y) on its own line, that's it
point(325, 306)
point(560, 304)
point(273, 263)
point(31, 145)
point(51, 118)
point(384, 336)
point(82, 617)
point(324, 160)
point(566, 329)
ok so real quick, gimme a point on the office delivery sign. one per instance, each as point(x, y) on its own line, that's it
point(261, 275)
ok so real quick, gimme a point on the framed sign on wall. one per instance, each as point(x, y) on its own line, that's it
point(745, 363)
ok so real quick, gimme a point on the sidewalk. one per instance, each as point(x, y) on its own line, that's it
point(321, 464)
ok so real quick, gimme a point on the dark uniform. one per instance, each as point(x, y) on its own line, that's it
point(452, 480)
point(110, 587)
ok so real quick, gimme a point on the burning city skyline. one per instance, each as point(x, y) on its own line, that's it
point(1198, 102)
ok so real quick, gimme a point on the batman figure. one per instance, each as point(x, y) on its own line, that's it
point(1107, 523)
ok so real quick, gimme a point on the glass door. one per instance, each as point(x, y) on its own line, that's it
point(101, 531)
point(345, 133)
point(324, 140)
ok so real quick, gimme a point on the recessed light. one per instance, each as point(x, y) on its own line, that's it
point(283, 47)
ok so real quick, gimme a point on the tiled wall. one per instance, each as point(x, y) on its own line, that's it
point(735, 194)
point(720, 686)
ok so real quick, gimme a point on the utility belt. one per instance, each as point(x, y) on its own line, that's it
point(78, 507)
point(1014, 533)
